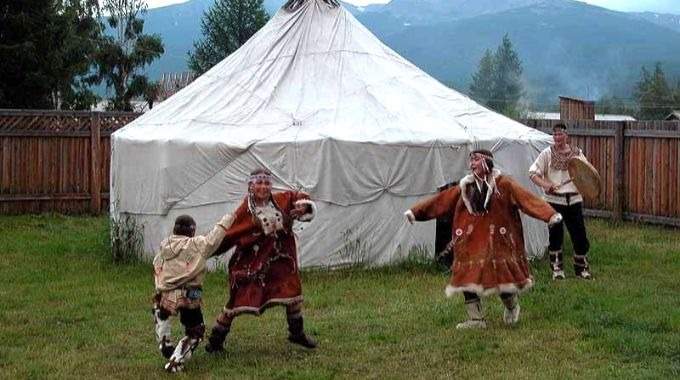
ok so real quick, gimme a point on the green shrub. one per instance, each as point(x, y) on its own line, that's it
point(127, 240)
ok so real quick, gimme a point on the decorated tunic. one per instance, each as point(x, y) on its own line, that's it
point(263, 270)
point(488, 242)
point(552, 165)
point(180, 266)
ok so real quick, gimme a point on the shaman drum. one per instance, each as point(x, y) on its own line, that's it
point(585, 177)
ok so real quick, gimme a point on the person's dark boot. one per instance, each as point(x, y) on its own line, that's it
point(556, 263)
point(167, 349)
point(216, 340)
point(297, 334)
point(581, 267)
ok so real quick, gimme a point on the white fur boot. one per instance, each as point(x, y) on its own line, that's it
point(475, 316)
point(511, 313)
point(163, 330)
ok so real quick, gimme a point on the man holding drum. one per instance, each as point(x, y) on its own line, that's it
point(559, 170)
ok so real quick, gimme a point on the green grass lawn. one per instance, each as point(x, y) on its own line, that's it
point(68, 312)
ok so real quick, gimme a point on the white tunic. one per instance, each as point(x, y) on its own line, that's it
point(542, 167)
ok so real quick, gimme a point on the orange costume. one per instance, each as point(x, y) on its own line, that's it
point(488, 242)
point(488, 246)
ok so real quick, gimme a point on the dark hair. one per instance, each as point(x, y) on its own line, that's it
point(489, 163)
point(560, 126)
point(185, 226)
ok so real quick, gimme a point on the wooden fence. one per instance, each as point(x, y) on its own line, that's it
point(53, 161)
point(56, 161)
point(639, 162)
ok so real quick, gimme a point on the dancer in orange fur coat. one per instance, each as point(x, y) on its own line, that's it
point(488, 242)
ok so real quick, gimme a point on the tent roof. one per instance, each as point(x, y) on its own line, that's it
point(317, 73)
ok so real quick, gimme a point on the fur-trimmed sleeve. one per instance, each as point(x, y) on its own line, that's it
point(297, 196)
point(529, 203)
point(437, 205)
point(290, 200)
point(285, 200)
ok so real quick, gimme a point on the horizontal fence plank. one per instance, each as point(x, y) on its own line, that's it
point(598, 213)
point(66, 113)
point(634, 217)
point(652, 133)
point(43, 133)
point(49, 197)
point(50, 133)
point(585, 132)
point(653, 219)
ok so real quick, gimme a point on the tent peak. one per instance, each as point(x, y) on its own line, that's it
point(293, 5)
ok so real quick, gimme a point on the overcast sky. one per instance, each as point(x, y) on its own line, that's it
point(160, 3)
point(662, 6)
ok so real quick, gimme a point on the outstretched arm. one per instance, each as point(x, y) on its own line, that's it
point(209, 243)
point(532, 205)
point(239, 228)
point(435, 206)
point(303, 208)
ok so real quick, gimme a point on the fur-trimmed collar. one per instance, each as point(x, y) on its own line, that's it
point(470, 180)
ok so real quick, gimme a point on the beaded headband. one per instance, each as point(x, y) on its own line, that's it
point(483, 155)
point(259, 177)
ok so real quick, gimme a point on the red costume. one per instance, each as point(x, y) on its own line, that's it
point(263, 271)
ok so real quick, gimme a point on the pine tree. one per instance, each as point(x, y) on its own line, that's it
point(508, 88)
point(614, 105)
point(226, 26)
point(77, 29)
point(653, 94)
point(482, 86)
point(45, 51)
point(498, 80)
point(24, 82)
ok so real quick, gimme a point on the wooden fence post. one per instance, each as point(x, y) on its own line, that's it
point(95, 173)
point(619, 170)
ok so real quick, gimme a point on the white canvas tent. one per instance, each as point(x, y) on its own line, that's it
point(323, 104)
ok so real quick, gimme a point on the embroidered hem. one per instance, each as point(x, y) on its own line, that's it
point(481, 291)
point(259, 310)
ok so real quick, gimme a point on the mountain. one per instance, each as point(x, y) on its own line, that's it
point(427, 12)
point(398, 15)
point(567, 47)
point(178, 25)
point(663, 19)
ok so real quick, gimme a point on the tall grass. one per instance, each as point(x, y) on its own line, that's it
point(127, 239)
